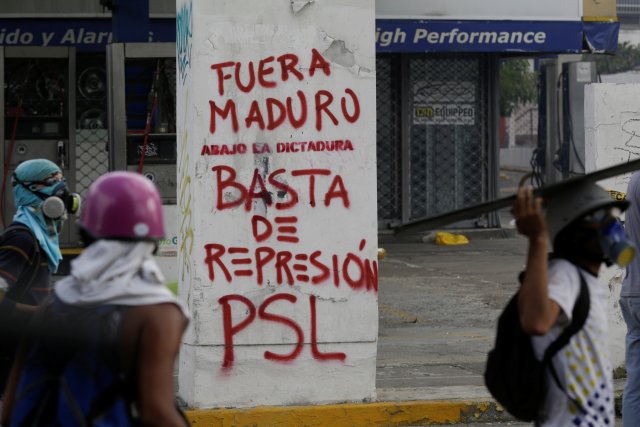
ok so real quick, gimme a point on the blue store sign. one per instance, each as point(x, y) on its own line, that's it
point(84, 34)
point(391, 36)
point(495, 36)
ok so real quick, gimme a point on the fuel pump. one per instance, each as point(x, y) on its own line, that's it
point(142, 126)
point(142, 138)
point(38, 119)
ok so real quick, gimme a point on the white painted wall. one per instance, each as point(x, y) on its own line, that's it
point(546, 10)
point(335, 221)
point(629, 35)
point(612, 113)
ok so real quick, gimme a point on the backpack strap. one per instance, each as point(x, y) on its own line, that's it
point(579, 316)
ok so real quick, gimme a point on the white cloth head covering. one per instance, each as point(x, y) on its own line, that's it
point(117, 273)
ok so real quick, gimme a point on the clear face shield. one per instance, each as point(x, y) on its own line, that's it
point(616, 246)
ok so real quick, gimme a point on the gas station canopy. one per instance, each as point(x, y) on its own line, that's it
point(545, 26)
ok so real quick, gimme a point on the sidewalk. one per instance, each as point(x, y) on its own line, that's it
point(438, 307)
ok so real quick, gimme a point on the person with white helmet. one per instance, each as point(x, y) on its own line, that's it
point(124, 327)
point(630, 307)
point(29, 247)
point(581, 225)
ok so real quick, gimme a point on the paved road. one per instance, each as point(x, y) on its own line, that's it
point(438, 308)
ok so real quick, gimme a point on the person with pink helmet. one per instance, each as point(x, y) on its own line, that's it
point(125, 323)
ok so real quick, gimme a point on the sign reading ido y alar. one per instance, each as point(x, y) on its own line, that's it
point(277, 200)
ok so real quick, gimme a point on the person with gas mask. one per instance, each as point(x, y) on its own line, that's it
point(118, 326)
point(630, 307)
point(583, 228)
point(29, 249)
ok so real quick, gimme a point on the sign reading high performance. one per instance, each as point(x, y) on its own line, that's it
point(478, 36)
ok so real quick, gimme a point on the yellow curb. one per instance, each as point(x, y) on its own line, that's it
point(349, 415)
point(71, 251)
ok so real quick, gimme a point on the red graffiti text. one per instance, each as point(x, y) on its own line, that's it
point(316, 268)
point(309, 146)
point(288, 197)
point(234, 149)
point(271, 113)
point(265, 75)
point(232, 329)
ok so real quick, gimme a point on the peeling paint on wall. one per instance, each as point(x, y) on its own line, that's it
point(298, 5)
point(338, 53)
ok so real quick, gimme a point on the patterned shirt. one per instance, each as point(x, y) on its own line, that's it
point(583, 365)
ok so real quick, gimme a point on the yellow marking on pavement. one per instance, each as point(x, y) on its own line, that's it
point(403, 315)
point(346, 415)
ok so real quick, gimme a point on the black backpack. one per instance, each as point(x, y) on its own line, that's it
point(29, 275)
point(8, 333)
point(71, 376)
point(513, 374)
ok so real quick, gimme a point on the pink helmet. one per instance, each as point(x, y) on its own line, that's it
point(122, 205)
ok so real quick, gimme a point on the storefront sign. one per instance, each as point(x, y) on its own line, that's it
point(444, 114)
point(491, 36)
point(444, 103)
point(83, 34)
point(392, 35)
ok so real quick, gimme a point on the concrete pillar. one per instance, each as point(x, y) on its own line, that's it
point(612, 115)
point(277, 223)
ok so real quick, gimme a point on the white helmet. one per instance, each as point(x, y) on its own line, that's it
point(575, 202)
